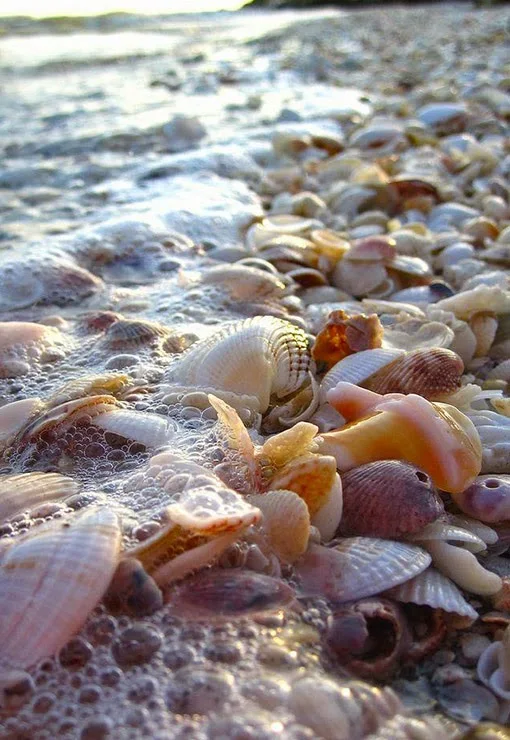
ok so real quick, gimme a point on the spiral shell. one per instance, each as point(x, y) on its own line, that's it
point(256, 357)
point(387, 498)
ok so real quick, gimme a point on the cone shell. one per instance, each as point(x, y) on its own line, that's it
point(358, 567)
point(286, 522)
point(430, 373)
point(256, 357)
point(432, 588)
point(21, 492)
point(150, 430)
point(387, 498)
point(51, 580)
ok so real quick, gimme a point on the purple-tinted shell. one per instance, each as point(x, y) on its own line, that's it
point(487, 499)
point(228, 593)
point(387, 498)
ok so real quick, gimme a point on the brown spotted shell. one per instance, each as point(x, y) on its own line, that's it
point(430, 373)
point(387, 498)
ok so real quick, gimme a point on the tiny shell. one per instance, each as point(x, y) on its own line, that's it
point(359, 567)
point(51, 579)
point(433, 589)
point(131, 332)
point(387, 499)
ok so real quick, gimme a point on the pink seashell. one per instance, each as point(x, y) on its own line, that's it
point(387, 498)
point(487, 499)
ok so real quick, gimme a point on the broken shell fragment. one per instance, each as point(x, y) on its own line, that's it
point(50, 580)
point(343, 335)
point(463, 568)
point(435, 437)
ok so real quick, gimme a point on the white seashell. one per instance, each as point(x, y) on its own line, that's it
point(415, 333)
point(380, 307)
point(150, 430)
point(359, 278)
point(480, 530)
point(359, 567)
point(50, 581)
point(482, 298)
point(212, 511)
point(244, 283)
point(445, 532)
point(329, 516)
point(14, 416)
point(433, 589)
point(493, 667)
point(286, 522)
point(256, 357)
point(21, 492)
point(357, 368)
point(462, 567)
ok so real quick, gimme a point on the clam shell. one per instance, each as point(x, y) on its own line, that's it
point(430, 373)
point(433, 589)
point(15, 416)
point(359, 567)
point(150, 430)
point(51, 580)
point(357, 368)
point(387, 498)
point(256, 357)
point(131, 332)
point(244, 283)
point(24, 491)
point(286, 522)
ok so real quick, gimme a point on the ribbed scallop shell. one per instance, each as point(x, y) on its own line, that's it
point(90, 385)
point(255, 357)
point(358, 567)
point(357, 368)
point(150, 430)
point(51, 580)
point(131, 332)
point(286, 521)
point(387, 498)
point(428, 372)
point(435, 590)
point(24, 491)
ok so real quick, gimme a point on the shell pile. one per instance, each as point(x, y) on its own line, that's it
point(255, 430)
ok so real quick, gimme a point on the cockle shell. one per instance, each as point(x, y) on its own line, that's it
point(256, 357)
point(286, 522)
point(488, 498)
point(359, 567)
point(21, 492)
point(387, 498)
point(357, 368)
point(430, 373)
point(132, 332)
point(432, 588)
point(150, 430)
point(50, 581)
point(435, 437)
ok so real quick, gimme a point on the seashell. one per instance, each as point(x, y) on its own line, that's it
point(132, 591)
point(22, 344)
point(15, 416)
point(487, 499)
point(307, 277)
point(444, 118)
point(358, 567)
point(356, 368)
point(315, 480)
point(51, 579)
point(387, 499)
point(226, 594)
point(431, 373)
point(435, 437)
point(21, 492)
point(150, 430)
point(493, 430)
point(372, 249)
point(91, 385)
point(256, 357)
point(446, 532)
point(488, 535)
point(381, 137)
point(130, 332)
point(431, 588)
point(482, 298)
point(484, 326)
point(463, 568)
point(358, 278)
point(286, 522)
point(344, 335)
point(286, 446)
point(244, 283)
point(412, 333)
point(329, 243)
point(493, 668)
point(299, 408)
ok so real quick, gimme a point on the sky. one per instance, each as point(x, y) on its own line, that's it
point(44, 8)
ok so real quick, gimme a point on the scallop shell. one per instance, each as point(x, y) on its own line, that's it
point(150, 430)
point(132, 332)
point(50, 580)
point(286, 522)
point(21, 492)
point(430, 373)
point(387, 499)
point(256, 357)
point(433, 589)
point(359, 567)
point(357, 368)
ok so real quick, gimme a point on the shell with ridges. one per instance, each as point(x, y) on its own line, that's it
point(358, 567)
point(357, 368)
point(150, 430)
point(433, 589)
point(255, 357)
point(50, 580)
point(22, 492)
point(286, 522)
